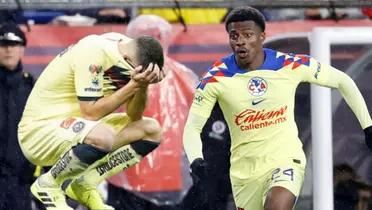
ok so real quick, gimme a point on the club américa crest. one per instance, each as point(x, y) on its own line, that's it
point(257, 86)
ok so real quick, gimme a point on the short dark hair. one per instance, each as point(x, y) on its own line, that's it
point(149, 51)
point(343, 168)
point(245, 13)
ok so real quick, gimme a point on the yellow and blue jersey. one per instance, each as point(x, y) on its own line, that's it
point(86, 71)
point(258, 105)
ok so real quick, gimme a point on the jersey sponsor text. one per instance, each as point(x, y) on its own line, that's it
point(250, 119)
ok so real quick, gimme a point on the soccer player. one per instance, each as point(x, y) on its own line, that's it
point(255, 88)
point(177, 88)
point(69, 124)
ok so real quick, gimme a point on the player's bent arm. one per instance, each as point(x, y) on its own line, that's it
point(191, 136)
point(95, 110)
point(136, 104)
point(351, 94)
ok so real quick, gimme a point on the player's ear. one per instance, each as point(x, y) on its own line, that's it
point(262, 36)
point(129, 60)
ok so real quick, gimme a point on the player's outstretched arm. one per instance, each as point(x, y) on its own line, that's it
point(355, 100)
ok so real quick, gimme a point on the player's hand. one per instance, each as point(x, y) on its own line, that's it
point(368, 134)
point(152, 74)
point(198, 169)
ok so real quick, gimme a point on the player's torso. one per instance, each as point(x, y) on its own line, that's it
point(258, 106)
point(55, 91)
point(257, 102)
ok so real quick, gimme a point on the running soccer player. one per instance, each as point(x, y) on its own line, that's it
point(255, 88)
point(69, 124)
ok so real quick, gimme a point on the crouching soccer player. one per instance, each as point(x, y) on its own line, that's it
point(69, 124)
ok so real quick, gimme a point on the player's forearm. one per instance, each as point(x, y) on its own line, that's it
point(191, 137)
point(136, 105)
point(95, 110)
point(352, 96)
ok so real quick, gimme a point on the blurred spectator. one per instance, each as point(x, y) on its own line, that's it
point(365, 196)
point(6, 16)
point(112, 15)
point(333, 13)
point(16, 173)
point(367, 11)
point(346, 195)
point(61, 16)
point(349, 193)
point(283, 14)
point(343, 172)
point(315, 14)
point(87, 17)
point(169, 99)
point(74, 20)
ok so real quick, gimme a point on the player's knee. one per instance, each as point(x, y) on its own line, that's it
point(152, 129)
point(102, 137)
point(105, 141)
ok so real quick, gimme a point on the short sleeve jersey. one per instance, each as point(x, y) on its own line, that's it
point(85, 71)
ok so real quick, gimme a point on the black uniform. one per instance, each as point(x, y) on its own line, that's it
point(213, 192)
point(16, 173)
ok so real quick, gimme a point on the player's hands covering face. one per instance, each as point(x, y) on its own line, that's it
point(152, 74)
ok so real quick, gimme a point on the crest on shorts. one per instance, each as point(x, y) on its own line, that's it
point(78, 126)
point(67, 122)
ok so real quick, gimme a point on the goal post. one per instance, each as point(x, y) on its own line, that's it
point(321, 39)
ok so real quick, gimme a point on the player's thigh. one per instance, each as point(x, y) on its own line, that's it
point(285, 185)
point(129, 131)
point(44, 142)
point(279, 198)
point(146, 126)
point(117, 121)
point(105, 132)
point(248, 194)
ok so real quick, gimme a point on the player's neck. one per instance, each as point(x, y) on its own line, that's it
point(126, 47)
point(256, 62)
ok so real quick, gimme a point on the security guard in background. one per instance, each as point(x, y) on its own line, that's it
point(16, 173)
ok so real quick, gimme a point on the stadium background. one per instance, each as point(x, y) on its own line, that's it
point(200, 46)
